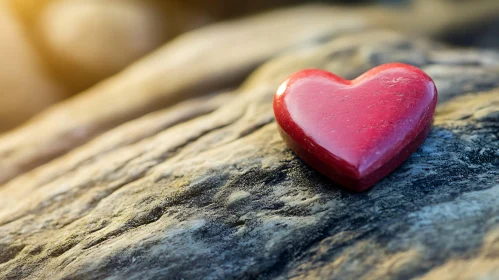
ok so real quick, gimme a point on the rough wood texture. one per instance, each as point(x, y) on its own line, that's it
point(207, 189)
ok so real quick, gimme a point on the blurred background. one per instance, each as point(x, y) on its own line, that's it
point(51, 50)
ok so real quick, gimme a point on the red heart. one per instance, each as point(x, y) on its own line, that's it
point(356, 132)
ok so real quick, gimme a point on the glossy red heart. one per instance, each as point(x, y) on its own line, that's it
point(356, 132)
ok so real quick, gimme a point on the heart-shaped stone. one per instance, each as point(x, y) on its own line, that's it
point(356, 132)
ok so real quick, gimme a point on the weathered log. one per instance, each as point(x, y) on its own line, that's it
point(217, 194)
point(207, 60)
